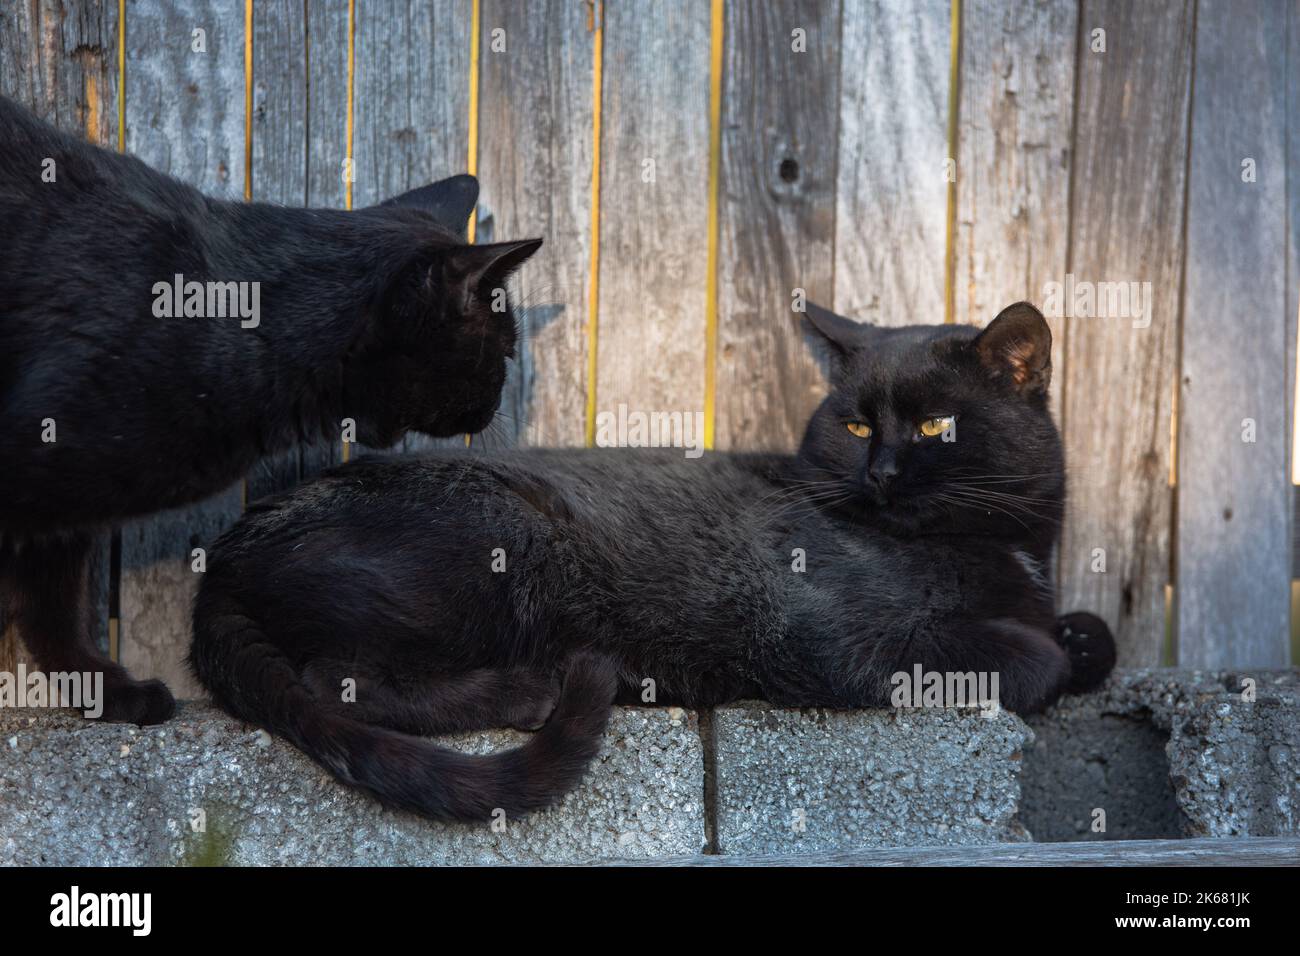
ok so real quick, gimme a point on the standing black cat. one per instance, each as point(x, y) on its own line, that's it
point(925, 501)
point(155, 342)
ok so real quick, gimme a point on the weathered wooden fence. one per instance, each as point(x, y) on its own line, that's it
point(694, 163)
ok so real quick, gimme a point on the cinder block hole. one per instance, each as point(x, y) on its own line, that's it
point(1111, 762)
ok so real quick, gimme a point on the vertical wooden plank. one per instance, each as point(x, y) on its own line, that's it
point(327, 102)
point(776, 221)
point(535, 156)
point(326, 132)
point(184, 116)
point(1127, 226)
point(59, 59)
point(654, 193)
point(411, 103)
point(411, 96)
point(278, 173)
point(299, 105)
point(891, 194)
point(1013, 159)
point(1233, 570)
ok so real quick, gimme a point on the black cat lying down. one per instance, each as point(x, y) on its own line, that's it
point(534, 588)
point(116, 403)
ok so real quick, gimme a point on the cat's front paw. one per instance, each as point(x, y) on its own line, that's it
point(137, 702)
point(1088, 641)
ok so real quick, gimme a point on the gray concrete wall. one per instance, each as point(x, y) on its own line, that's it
point(1164, 753)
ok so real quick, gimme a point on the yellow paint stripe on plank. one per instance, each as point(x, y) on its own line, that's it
point(248, 100)
point(92, 108)
point(346, 454)
point(950, 230)
point(471, 160)
point(711, 266)
point(593, 291)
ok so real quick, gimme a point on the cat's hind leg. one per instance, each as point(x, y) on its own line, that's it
point(481, 699)
point(45, 584)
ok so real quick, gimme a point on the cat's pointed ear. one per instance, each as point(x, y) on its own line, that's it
point(1017, 347)
point(839, 336)
point(470, 267)
point(451, 201)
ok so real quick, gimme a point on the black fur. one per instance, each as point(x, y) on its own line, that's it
point(382, 315)
point(631, 566)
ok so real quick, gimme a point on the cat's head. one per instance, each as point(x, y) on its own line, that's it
point(434, 356)
point(936, 429)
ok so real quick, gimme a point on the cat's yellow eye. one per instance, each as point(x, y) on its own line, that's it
point(860, 429)
point(933, 427)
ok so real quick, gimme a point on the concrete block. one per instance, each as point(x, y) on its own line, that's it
point(817, 780)
point(74, 792)
point(1168, 753)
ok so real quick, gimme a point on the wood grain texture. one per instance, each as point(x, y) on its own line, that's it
point(1233, 493)
point(1013, 159)
point(184, 116)
point(411, 106)
point(1127, 226)
point(891, 194)
point(326, 134)
point(1205, 851)
point(59, 59)
point(327, 103)
point(535, 155)
point(278, 173)
point(776, 216)
point(655, 110)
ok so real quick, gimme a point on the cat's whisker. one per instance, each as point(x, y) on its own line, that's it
point(785, 493)
point(968, 504)
point(1013, 510)
point(526, 426)
point(821, 500)
point(1005, 495)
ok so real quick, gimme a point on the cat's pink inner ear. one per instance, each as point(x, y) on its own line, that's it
point(1018, 344)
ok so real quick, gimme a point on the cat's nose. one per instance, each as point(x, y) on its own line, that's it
point(883, 469)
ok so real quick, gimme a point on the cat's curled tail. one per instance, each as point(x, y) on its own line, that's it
point(251, 678)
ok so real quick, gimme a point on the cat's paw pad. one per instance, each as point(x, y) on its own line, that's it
point(138, 702)
point(1091, 647)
